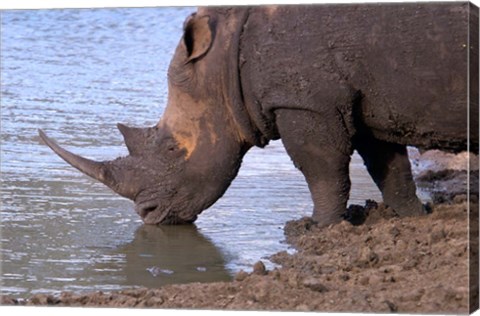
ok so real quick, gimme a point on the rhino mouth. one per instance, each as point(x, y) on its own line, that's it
point(154, 214)
point(151, 213)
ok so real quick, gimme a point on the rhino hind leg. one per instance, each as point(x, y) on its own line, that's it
point(389, 166)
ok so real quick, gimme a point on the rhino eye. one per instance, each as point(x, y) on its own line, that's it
point(165, 142)
point(171, 145)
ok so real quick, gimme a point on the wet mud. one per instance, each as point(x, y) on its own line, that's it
point(374, 262)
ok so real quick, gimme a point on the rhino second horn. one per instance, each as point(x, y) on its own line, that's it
point(94, 169)
point(134, 138)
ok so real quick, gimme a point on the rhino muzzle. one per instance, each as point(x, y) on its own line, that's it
point(148, 180)
point(154, 215)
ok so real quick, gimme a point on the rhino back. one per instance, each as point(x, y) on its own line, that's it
point(409, 61)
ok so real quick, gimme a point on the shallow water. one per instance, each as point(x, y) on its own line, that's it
point(75, 74)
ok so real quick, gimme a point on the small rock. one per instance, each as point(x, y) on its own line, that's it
point(241, 275)
point(414, 296)
point(259, 268)
point(410, 264)
point(437, 235)
point(147, 296)
point(137, 293)
point(328, 269)
point(315, 285)
point(261, 291)
point(4, 300)
point(51, 300)
point(376, 279)
point(39, 299)
point(302, 308)
point(401, 245)
point(395, 232)
point(367, 258)
point(364, 280)
point(126, 301)
point(43, 299)
point(344, 277)
point(154, 301)
point(393, 308)
point(292, 280)
point(276, 274)
point(391, 279)
point(345, 226)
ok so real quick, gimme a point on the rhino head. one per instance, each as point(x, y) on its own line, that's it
point(184, 163)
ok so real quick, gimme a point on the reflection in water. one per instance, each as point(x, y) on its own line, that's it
point(161, 255)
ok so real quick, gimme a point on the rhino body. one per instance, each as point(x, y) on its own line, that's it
point(326, 79)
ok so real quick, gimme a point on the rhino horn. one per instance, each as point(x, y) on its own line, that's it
point(134, 138)
point(101, 171)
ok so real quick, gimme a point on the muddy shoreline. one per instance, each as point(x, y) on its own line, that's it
point(381, 264)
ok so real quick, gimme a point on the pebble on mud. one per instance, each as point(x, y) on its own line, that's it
point(401, 245)
point(303, 308)
point(364, 280)
point(314, 284)
point(43, 299)
point(366, 258)
point(241, 275)
point(392, 306)
point(4, 300)
point(437, 235)
point(154, 301)
point(259, 268)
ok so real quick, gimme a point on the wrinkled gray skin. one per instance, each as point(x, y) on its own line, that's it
point(326, 79)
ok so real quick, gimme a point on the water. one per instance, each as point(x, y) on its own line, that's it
point(75, 74)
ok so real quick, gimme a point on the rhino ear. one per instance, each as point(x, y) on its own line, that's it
point(197, 37)
point(134, 138)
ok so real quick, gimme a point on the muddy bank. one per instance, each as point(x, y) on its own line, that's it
point(382, 264)
point(386, 264)
point(445, 175)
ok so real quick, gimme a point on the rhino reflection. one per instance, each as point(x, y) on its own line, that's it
point(161, 255)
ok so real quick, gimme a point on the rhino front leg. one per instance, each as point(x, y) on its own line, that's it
point(389, 166)
point(321, 152)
